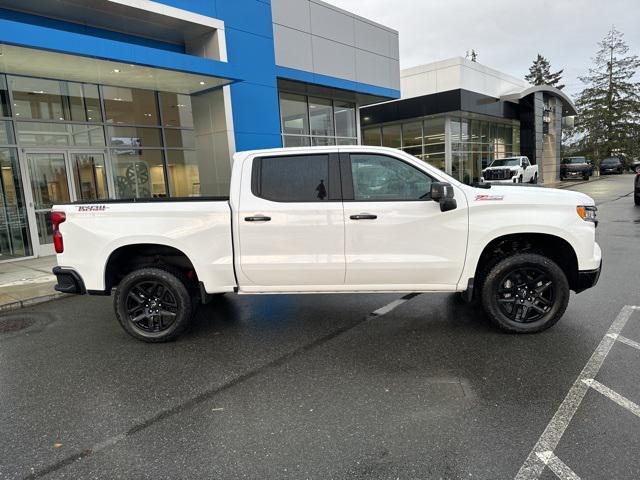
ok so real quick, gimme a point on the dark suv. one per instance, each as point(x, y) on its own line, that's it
point(611, 165)
point(575, 167)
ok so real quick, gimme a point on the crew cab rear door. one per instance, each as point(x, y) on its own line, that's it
point(290, 224)
point(395, 236)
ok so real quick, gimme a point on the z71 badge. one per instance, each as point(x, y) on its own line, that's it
point(482, 198)
point(92, 208)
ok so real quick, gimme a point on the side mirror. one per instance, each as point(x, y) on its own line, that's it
point(442, 193)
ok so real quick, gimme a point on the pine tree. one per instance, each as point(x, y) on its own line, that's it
point(540, 74)
point(609, 105)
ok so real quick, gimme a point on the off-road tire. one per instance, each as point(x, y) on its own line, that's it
point(177, 288)
point(502, 268)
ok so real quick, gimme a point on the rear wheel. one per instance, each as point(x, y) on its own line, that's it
point(636, 199)
point(153, 305)
point(525, 293)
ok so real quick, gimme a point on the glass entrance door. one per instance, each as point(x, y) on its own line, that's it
point(63, 177)
point(49, 186)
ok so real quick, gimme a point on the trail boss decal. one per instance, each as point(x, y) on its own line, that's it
point(484, 198)
point(92, 208)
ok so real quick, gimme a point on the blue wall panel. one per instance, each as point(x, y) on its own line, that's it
point(250, 51)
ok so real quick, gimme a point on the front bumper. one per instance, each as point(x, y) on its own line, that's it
point(588, 278)
point(68, 281)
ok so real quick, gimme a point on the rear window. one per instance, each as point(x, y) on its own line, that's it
point(299, 178)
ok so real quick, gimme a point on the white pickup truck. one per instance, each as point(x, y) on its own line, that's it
point(511, 170)
point(332, 219)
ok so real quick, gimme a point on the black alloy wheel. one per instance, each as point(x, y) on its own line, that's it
point(525, 293)
point(153, 305)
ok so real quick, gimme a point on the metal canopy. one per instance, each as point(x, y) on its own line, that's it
point(568, 108)
point(143, 18)
point(62, 66)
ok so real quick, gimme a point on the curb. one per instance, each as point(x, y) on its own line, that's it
point(28, 302)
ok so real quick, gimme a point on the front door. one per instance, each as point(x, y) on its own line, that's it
point(290, 223)
point(62, 177)
point(395, 236)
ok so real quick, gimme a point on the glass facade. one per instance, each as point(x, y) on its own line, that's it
point(91, 142)
point(307, 120)
point(459, 144)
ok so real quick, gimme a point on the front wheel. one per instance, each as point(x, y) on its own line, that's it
point(153, 305)
point(636, 200)
point(525, 293)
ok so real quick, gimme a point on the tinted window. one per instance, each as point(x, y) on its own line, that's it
point(380, 178)
point(611, 161)
point(293, 178)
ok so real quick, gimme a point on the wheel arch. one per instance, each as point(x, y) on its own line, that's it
point(127, 258)
point(552, 246)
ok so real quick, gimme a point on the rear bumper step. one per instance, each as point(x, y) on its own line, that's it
point(68, 281)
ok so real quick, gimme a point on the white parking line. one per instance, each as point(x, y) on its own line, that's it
point(628, 341)
point(393, 305)
point(557, 466)
point(548, 441)
point(615, 396)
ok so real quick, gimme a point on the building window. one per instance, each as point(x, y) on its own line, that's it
point(131, 106)
point(40, 99)
point(139, 173)
point(392, 136)
point(316, 121)
point(14, 229)
point(475, 143)
point(184, 173)
point(6, 134)
point(40, 134)
point(176, 110)
point(4, 98)
point(293, 113)
point(372, 136)
point(134, 137)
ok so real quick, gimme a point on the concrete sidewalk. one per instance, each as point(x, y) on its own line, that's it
point(27, 282)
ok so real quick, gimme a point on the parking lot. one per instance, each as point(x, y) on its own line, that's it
point(334, 387)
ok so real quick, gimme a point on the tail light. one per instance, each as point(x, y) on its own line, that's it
point(57, 218)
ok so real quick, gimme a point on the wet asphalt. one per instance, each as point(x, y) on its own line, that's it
point(316, 387)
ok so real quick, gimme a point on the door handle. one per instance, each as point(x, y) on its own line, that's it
point(257, 218)
point(363, 216)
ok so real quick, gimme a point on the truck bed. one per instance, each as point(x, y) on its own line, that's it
point(198, 227)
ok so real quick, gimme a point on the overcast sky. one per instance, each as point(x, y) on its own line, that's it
point(506, 34)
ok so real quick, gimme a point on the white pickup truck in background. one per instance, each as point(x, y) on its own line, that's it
point(511, 170)
point(332, 219)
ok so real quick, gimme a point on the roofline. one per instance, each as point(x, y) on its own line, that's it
point(568, 107)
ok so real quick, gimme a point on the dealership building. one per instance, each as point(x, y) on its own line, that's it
point(460, 115)
point(136, 98)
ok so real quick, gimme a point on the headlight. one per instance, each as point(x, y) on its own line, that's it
point(587, 213)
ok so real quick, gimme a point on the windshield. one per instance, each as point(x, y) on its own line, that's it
point(505, 162)
point(574, 160)
point(610, 161)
